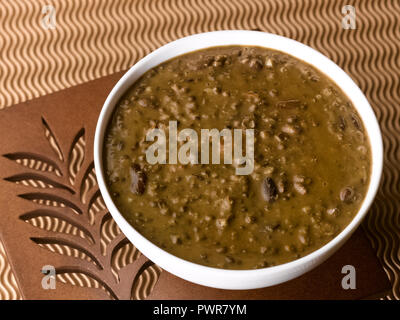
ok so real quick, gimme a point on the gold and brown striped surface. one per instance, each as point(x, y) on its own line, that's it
point(92, 39)
point(8, 285)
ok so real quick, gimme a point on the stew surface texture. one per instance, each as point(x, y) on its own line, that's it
point(312, 158)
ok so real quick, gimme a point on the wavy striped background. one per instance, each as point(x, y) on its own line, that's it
point(96, 38)
point(8, 285)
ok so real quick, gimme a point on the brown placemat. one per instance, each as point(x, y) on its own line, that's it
point(96, 38)
point(53, 215)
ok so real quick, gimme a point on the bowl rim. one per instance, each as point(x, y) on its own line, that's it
point(186, 269)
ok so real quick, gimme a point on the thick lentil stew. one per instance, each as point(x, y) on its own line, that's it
point(312, 158)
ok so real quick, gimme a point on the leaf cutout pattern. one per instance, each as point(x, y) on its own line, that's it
point(34, 162)
point(37, 181)
point(52, 140)
point(67, 248)
point(81, 278)
point(96, 205)
point(145, 281)
point(51, 200)
point(109, 231)
point(76, 155)
point(52, 221)
point(78, 279)
point(105, 246)
point(124, 253)
point(88, 182)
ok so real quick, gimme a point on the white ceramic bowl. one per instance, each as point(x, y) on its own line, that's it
point(240, 279)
